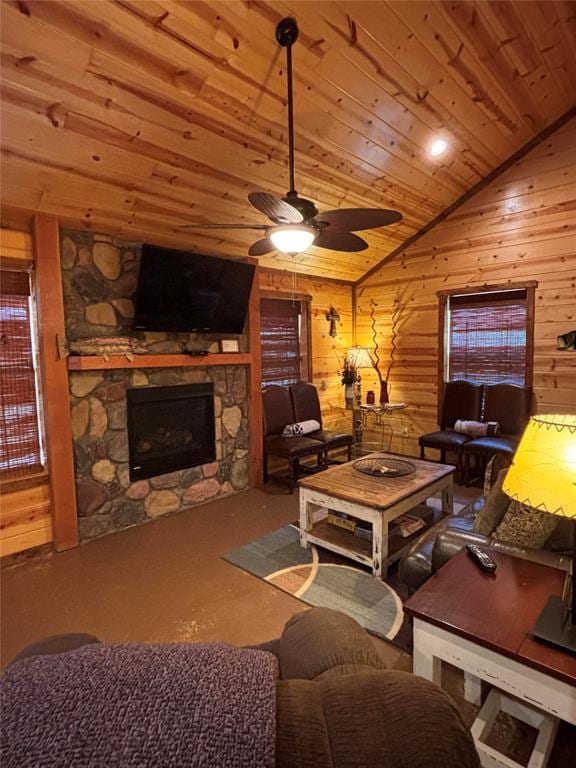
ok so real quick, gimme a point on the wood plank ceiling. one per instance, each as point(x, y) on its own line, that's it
point(136, 117)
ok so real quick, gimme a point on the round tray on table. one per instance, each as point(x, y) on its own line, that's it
point(381, 466)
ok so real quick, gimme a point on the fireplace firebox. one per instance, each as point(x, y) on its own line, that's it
point(170, 428)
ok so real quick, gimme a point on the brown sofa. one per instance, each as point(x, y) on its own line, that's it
point(338, 707)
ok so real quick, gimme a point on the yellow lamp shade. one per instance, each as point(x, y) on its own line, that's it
point(543, 473)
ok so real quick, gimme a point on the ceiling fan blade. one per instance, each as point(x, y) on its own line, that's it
point(354, 219)
point(276, 209)
point(223, 226)
point(260, 247)
point(341, 241)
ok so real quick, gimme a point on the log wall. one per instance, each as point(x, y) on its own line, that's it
point(522, 226)
point(327, 353)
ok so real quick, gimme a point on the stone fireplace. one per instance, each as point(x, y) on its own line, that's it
point(170, 428)
point(99, 281)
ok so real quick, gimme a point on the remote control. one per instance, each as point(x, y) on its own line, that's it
point(480, 557)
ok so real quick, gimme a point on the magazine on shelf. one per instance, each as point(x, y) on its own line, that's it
point(406, 525)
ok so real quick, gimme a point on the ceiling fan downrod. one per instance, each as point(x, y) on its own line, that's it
point(286, 36)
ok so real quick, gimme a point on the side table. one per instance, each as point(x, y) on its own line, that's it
point(481, 623)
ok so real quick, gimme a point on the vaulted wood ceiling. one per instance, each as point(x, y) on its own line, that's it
point(136, 117)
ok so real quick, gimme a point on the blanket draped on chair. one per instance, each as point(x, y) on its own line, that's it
point(138, 706)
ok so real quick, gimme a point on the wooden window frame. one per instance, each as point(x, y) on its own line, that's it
point(444, 296)
point(306, 301)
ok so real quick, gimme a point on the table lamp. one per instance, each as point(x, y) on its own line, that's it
point(360, 357)
point(543, 476)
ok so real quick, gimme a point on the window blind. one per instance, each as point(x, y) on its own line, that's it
point(487, 337)
point(19, 435)
point(279, 334)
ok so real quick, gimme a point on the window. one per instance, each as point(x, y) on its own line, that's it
point(284, 327)
point(488, 335)
point(20, 445)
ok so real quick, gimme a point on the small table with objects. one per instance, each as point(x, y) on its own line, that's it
point(377, 500)
point(481, 623)
point(372, 416)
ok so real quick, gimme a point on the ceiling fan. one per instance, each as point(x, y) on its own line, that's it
point(297, 222)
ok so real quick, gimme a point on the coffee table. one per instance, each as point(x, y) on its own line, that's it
point(481, 623)
point(376, 500)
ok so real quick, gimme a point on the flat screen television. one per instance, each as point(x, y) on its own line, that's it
point(180, 291)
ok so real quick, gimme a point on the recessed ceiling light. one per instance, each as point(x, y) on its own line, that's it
point(438, 147)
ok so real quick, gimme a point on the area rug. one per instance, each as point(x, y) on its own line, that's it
point(321, 578)
point(314, 576)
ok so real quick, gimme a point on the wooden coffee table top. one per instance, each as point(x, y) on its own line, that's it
point(496, 611)
point(345, 482)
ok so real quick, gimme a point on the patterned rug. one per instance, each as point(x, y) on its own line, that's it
point(321, 578)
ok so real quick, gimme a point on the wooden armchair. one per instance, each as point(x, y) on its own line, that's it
point(278, 412)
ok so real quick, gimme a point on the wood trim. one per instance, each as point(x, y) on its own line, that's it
point(50, 305)
point(255, 386)
point(530, 312)
point(354, 315)
point(510, 286)
point(285, 295)
point(323, 278)
point(99, 363)
point(442, 304)
point(472, 191)
point(21, 483)
point(309, 350)
point(13, 264)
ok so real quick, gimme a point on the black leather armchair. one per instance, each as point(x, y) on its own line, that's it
point(462, 400)
point(509, 405)
point(278, 412)
point(306, 405)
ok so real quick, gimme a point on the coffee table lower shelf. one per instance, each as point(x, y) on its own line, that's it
point(345, 543)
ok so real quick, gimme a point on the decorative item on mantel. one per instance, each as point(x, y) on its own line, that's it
point(102, 346)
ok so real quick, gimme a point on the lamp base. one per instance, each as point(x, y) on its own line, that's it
point(553, 627)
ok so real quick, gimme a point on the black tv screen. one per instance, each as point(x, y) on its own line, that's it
point(180, 291)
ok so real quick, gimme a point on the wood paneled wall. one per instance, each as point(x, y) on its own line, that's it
point(328, 353)
point(522, 226)
point(25, 519)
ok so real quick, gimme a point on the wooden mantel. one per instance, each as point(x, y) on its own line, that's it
point(98, 363)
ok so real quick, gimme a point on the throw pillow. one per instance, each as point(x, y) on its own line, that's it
point(477, 428)
point(498, 462)
point(300, 428)
point(495, 505)
point(525, 527)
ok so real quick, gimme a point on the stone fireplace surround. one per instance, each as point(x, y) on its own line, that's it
point(99, 277)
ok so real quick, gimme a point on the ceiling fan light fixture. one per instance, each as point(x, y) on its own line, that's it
point(292, 238)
